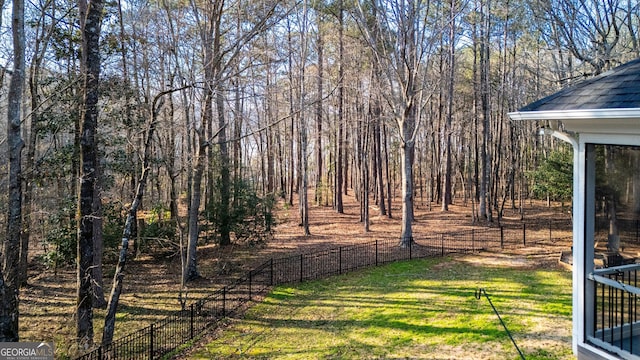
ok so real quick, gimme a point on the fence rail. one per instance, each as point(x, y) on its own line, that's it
point(167, 335)
point(616, 318)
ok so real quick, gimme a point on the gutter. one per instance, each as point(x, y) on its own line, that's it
point(581, 114)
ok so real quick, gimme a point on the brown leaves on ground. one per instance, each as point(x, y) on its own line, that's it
point(152, 283)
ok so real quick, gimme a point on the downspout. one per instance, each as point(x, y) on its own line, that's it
point(564, 136)
point(579, 266)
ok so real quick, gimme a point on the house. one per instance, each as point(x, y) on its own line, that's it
point(600, 118)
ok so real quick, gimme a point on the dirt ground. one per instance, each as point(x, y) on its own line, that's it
point(152, 281)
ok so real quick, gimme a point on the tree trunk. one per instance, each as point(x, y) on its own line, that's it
point(237, 133)
point(97, 284)
point(127, 233)
point(386, 169)
point(446, 195)
point(406, 156)
point(191, 267)
point(270, 151)
point(290, 175)
point(319, 104)
point(304, 185)
point(9, 276)
point(378, 156)
point(485, 184)
point(339, 141)
point(190, 270)
point(364, 177)
point(225, 168)
point(40, 48)
point(30, 165)
point(89, 120)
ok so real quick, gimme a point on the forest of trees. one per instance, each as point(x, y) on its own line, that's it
point(215, 110)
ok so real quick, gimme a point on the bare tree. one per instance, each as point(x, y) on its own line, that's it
point(302, 128)
point(446, 194)
point(319, 107)
point(376, 113)
point(91, 21)
point(340, 153)
point(402, 54)
point(485, 103)
point(209, 30)
point(9, 288)
point(44, 31)
point(589, 29)
point(218, 58)
point(118, 277)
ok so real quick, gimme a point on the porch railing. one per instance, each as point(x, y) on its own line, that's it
point(615, 319)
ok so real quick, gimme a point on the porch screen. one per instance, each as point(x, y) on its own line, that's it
point(617, 202)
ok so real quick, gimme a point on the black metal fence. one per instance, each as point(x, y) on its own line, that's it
point(167, 335)
point(616, 320)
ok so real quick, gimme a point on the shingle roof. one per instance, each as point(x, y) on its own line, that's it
point(615, 89)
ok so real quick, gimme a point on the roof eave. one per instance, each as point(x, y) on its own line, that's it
point(582, 114)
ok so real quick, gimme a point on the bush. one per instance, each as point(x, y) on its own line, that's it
point(114, 217)
point(60, 242)
point(554, 176)
point(254, 221)
point(159, 229)
point(250, 216)
point(156, 226)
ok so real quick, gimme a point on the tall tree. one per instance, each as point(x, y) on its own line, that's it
point(402, 54)
point(319, 107)
point(9, 288)
point(302, 128)
point(446, 194)
point(209, 30)
point(44, 31)
point(485, 103)
point(118, 277)
point(340, 154)
point(376, 113)
point(589, 29)
point(220, 53)
point(90, 23)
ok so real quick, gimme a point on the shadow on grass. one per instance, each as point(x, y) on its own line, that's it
point(403, 310)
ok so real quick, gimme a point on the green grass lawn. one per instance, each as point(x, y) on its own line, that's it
point(421, 309)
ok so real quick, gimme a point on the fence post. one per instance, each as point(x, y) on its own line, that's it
point(340, 260)
point(410, 247)
point(301, 261)
point(501, 237)
point(524, 234)
point(442, 244)
point(224, 302)
point(151, 342)
point(550, 237)
point(473, 240)
point(376, 252)
point(250, 280)
point(271, 272)
point(191, 312)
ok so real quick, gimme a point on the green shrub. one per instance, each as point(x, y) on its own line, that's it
point(250, 215)
point(60, 241)
point(554, 176)
point(114, 217)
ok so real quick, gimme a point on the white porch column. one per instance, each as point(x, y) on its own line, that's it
point(579, 244)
